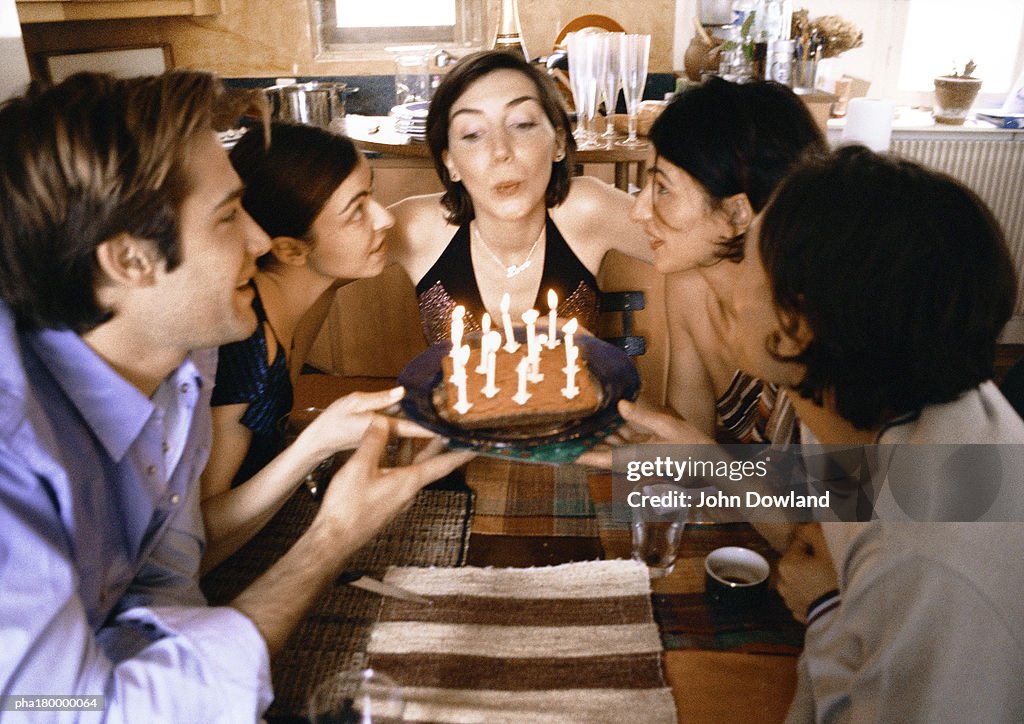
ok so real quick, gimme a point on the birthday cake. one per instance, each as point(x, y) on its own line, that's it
point(547, 402)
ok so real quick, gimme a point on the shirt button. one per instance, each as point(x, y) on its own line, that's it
point(165, 447)
point(175, 498)
point(151, 470)
point(184, 388)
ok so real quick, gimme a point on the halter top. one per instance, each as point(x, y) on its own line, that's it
point(451, 281)
point(245, 376)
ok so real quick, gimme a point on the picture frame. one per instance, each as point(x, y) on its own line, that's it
point(121, 61)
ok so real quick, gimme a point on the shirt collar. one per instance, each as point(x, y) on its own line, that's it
point(113, 408)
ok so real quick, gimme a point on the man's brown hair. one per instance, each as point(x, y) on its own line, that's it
point(83, 162)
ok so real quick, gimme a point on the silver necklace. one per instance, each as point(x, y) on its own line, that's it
point(511, 270)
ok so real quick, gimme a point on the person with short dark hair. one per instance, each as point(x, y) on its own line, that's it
point(719, 150)
point(125, 259)
point(311, 191)
point(874, 290)
point(510, 219)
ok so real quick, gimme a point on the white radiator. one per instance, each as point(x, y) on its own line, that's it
point(994, 168)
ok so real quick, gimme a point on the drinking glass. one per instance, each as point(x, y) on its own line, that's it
point(412, 73)
point(357, 697)
point(634, 52)
point(292, 426)
point(584, 67)
point(611, 84)
point(657, 530)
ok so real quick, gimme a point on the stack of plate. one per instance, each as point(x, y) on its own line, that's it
point(411, 119)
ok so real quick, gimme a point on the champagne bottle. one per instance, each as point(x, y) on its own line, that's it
point(508, 34)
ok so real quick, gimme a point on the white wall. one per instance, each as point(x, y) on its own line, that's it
point(14, 76)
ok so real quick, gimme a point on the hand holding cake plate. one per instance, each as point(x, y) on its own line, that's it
point(556, 441)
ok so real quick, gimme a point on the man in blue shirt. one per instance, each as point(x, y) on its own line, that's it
point(124, 249)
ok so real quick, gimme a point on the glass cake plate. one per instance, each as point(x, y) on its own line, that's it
point(559, 442)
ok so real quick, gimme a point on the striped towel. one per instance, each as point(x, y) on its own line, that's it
point(569, 643)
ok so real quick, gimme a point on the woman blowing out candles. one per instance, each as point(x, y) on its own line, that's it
point(511, 219)
point(311, 192)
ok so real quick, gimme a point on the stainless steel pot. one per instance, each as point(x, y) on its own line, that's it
point(316, 103)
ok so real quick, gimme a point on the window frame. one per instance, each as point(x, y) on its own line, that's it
point(332, 42)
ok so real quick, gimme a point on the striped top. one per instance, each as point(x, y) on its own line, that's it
point(752, 410)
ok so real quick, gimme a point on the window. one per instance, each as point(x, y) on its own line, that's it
point(943, 35)
point(359, 26)
point(909, 42)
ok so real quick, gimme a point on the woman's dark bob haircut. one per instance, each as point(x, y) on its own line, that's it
point(467, 71)
point(736, 138)
point(288, 182)
point(902, 275)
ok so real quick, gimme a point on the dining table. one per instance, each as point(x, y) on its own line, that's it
point(721, 664)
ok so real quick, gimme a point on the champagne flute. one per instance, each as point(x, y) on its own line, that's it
point(634, 53)
point(584, 55)
point(611, 85)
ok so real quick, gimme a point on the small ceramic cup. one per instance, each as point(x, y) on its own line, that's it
point(735, 577)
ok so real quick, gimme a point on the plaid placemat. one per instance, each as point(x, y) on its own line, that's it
point(515, 498)
point(433, 531)
point(569, 643)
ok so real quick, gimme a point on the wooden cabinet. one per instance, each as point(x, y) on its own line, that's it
point(48, 11)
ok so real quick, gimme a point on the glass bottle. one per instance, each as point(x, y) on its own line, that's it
point(508, 34)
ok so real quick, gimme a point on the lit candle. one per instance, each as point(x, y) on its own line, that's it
point(569, 330)
point(492, 342)
point(462, 404)
point(458, 326)
point(522, 395)
point(571, 390)
point(552, 319)
point(485, 324)
point(506, 319)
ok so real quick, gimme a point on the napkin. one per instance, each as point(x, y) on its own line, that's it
point(575, 642)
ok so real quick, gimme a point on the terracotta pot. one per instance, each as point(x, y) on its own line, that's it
point(954, 97)
point(700, 57)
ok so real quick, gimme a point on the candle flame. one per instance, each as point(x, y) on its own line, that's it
point(459, 312)
point(506, 301)
point(552, 299)
point(571, 326)
point(485, 322)
point(530, 316)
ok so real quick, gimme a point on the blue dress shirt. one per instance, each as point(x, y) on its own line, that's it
point(101, 536)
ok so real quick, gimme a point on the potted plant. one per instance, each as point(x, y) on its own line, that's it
point(954, 95)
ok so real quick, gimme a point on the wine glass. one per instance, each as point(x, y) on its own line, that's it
point(291, 426)
point(634, 52)
point(611, 84)
point(584, 64)
point(356, 697)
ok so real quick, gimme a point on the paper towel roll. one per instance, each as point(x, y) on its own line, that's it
point(869, 122)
